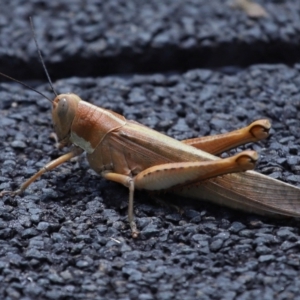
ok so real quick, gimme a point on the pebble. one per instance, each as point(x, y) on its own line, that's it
point(69, 230)
point(171, 43)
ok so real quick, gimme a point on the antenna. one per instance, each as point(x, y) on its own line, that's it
point(26, 85)
point(40, 56)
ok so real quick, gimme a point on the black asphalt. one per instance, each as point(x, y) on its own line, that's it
point(68, 236)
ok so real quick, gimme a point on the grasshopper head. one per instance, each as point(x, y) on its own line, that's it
point(63, 113)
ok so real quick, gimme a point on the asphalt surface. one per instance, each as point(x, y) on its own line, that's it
point(112, 37)
point(68, 237)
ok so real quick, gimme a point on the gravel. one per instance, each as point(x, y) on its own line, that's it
point(117, 36)
point(68, 236)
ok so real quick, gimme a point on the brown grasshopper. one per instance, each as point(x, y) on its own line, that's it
point(138, 157)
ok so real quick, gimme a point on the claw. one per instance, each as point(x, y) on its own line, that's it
point(135, 234)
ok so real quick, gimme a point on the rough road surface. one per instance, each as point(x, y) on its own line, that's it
point(68, 237)
point(95, 38)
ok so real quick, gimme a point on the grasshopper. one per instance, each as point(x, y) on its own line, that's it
point(138, 157)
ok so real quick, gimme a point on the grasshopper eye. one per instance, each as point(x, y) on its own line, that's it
point(63, 107)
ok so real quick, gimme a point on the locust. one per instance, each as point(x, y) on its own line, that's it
point(129, 153)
